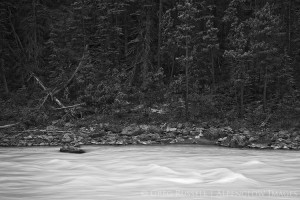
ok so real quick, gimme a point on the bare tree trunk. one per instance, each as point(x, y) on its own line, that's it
point(159, 34)
point(147, 50)
point(83, 24)
point(35, 35)
point(4, 77)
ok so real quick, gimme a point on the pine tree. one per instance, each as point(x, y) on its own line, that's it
point(186, 36)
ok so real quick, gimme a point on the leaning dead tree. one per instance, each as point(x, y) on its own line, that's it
point(52, 92)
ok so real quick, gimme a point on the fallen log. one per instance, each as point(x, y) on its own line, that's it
point(45, 89)
point(9, 125)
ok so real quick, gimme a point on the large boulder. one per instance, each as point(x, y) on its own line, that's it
point(216, 133)
point(234, 141)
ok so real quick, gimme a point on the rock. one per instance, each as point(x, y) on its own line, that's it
point(67, 138)
point(297, 138)
point(71, 149)
point(120, 142)
point(238, 141)
point(197, 132)
point(98, 134)
point(5, 140)
point(144, 142)
point(185, 132)
point(155, 129)
point(49, 138)
point(215, 133)
point(258, 146)
point(283, 134)
point(180, 126)
point(144, 137)
point(179, 140)
point(166, 140)
point(234, 141)
point(170, 135)
point(113, 128)
point(295, 134)
point(132, 130)
point(111, 139)
point(69, 125)
point(223, 141)
point(253, 139)
point(171, 129)
point(205, 125)
point(28, 137)
point(51, 128)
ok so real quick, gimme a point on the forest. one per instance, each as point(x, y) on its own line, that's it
point(188, 60)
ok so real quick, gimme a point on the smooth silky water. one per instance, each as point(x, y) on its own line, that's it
point(149, 172)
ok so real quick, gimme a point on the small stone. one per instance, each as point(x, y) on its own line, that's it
point(66, 138)
point(69, 125)
point(285, 147)
point(252, 139)
point(180, 126)
point(171, 129)
point(185, 132)
point(120, 142)
point(5, 140)
point(179, 140)
point(170, 135)
point(98, 134)
point(155, 129)
point(28, 137)
point(51, 128)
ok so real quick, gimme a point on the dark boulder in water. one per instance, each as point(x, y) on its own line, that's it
point(71, 149)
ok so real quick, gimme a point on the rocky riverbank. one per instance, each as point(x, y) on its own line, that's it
point(177, 133)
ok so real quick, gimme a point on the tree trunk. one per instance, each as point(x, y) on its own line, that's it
point(126, 38)
point(265, 90)
point(83, 24)
point(289, 27)
point(242, 99)
point(147, 50)
point(213, 73)
point(187, 81)
point(35, 35)
point(159, 35)
point(4, 77)
point(172, 67)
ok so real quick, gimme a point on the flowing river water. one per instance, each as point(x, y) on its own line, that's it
point(149, 172)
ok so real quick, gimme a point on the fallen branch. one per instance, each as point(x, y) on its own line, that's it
point(9, 125)
point(66, 107)
point(44, 131)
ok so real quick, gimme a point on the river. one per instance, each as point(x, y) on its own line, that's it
point(149, 172)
